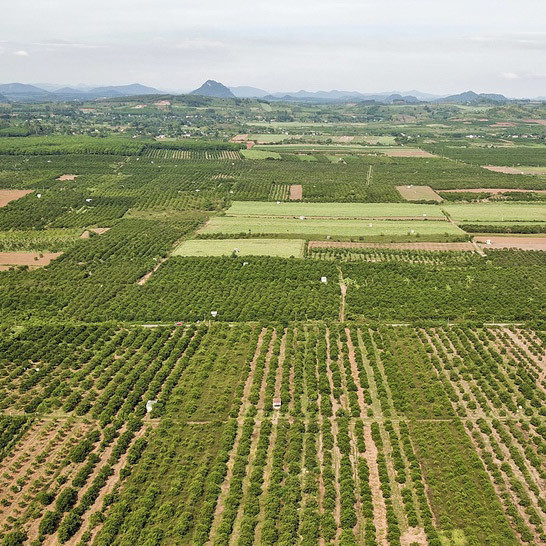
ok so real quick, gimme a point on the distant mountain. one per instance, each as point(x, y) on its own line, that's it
point(335, 95)
point(472, 97)
point(246, 92)
point(67, 91)
point(23, 92)
point(212, 88)
point(3, 98)
point(112, 91)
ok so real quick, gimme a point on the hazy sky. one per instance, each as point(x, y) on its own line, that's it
point(439, 46)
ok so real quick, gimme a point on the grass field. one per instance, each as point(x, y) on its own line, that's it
point(496, 212)
point(324, 227)
point(259, 154)
point(335, 210)
point(282, 248)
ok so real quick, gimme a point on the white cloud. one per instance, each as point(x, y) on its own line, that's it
point(21, 53)
point(510, 75)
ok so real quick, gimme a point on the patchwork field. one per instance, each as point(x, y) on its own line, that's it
point(206, 346)
point(283, 248)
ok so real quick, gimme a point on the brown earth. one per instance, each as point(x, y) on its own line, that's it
point(99, 231)
point(67, 177)
point(239, 138)
point(395, 246)
point(32, 259)
point(344, 139)
point(507, 170)
point(539, 121)
point(296, 192)
point(504, 124)
point(523, 243)
point(11, 195)
point(418, 193)
point(406, 152)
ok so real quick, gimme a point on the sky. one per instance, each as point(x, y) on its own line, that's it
point(436, 46)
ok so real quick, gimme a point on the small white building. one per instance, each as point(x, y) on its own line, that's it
point(323, 280)
point(150, 405)
point(277, 403)
point(214, 314)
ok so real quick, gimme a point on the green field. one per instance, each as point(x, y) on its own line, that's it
point(282, 248)
point(335, 210)
point(324, 227)
point(496, 212)
point(259, 154)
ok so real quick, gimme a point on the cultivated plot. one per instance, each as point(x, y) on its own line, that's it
point(282, 248)
point(324, 227)
point(336, 210)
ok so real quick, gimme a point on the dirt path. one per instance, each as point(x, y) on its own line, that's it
point(108, 488)
point(246, 482)
point(343, 289)
point(224, 488)
point(354, 372)
point(144, 279)
point(369, 176)
point(267, 478)
point(261, 401)
point(280, 367)
point(379, 508)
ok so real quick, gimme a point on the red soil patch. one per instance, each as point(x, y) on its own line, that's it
point(504, 124)
point(523, 243)
point(508, 170)
point(67, 177)
point(539, 121)
point(163, 103)
point(32, 259)
point(249, 144)
point(239, 138)
point(418, 193)
point(492, 190)
point(11, 195)
point(406, 152)
point(296, 192)
point(395, 246)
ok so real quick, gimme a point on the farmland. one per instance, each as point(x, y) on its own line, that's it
point(283, 248)
point(210, 345)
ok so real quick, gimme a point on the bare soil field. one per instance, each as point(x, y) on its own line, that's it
point(11, 195)
point(511, 170)
point(296, 192)
point(395, 246)
point(67, 177)
point(98, 230)
point(239, 138)
point(523, 243)
point(344, 139)
point(539, 121)
point(406, 152)
point(504, 124)
point(32, 259)
point(418, 193)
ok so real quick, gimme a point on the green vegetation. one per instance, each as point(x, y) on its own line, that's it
point(159, 387)
point(245, 247)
